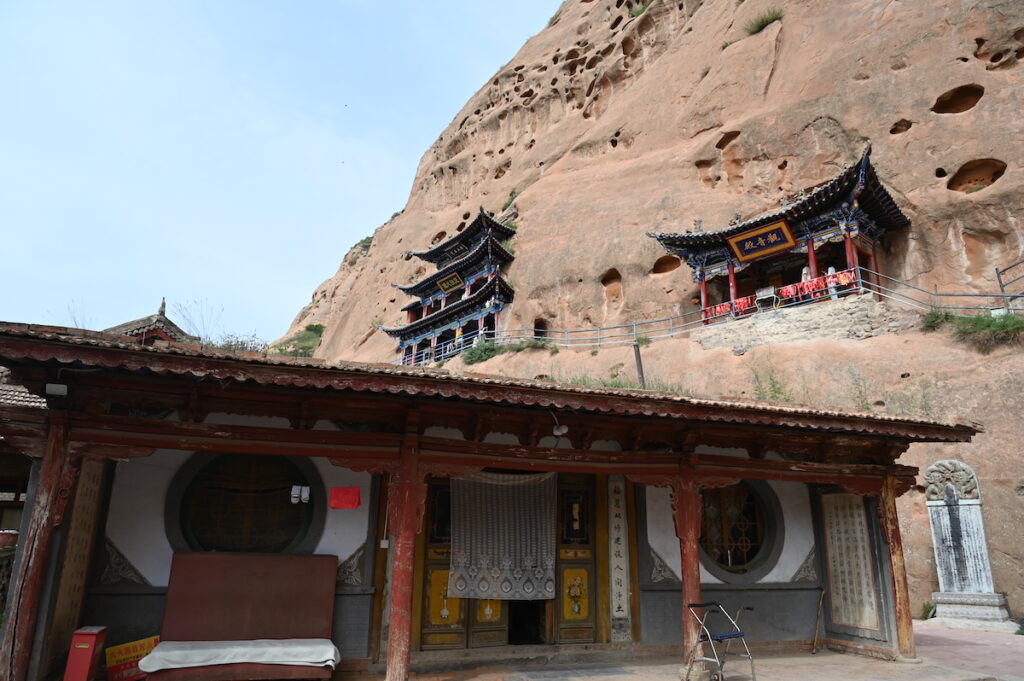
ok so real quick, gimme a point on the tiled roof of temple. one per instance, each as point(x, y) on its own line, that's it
point(158, 321)
point(489, 248)
point(482, 221)
point(856, 182)
point(21, 343)
point(447, 314)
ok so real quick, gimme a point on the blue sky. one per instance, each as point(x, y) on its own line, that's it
point(224, 154)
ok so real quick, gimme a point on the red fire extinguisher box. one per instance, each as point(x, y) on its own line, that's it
point(84, 656)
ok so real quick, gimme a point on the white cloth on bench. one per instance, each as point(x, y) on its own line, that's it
point(306, 652)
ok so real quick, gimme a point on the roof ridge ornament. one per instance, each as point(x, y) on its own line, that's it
point(163, 307)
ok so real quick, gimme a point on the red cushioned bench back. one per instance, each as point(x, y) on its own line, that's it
point(243, 596)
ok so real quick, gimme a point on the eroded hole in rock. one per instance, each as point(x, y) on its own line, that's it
point(727, 139)
point(783, 165)
point(963, 59)
point(612, 282)
point(465, 216)
point(462, 226)
point(614, 142)
point(959, 99)
point(528, 93)
point(996, 58)
point(407, 256)
point(540, 327)
point(940, 172)
point(975, 175)
point(438, 237)
point(905, 374)
point(665, 263)
point(704, 172)
point(618, 133)
point(900, 126)
point(615, 24)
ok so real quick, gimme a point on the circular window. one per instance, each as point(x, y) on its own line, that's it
point(741, 531)
point(236, 502)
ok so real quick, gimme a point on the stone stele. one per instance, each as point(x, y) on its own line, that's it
point(966, 596)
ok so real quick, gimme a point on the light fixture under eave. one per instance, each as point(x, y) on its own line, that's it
point(559, 430)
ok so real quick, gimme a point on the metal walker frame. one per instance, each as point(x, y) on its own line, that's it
point(716, 662)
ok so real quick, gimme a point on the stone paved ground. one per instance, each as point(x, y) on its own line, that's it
point(946, 655)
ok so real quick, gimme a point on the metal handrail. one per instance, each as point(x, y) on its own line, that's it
point(865, 281)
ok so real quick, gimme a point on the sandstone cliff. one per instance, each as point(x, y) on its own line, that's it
point(618, 120)
point(611, 125)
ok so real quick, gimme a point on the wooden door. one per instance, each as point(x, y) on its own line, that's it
point(575, 611)
point(443, 623)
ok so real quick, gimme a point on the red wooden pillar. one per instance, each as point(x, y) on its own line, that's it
point(55, 485)
point(898, 567)
point(812, 259)
point(851, 250)
point(873, 266)
point(406, 497)
point(704, 297)
point(687, 507)
point(732, 286)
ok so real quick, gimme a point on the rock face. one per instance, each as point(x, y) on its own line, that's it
point(613, 122)
point(623, 118)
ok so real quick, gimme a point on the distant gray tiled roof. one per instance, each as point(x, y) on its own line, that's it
point(138, 327)
point(17, 396)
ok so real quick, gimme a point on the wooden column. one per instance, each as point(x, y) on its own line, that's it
point(901, 594)
point(851, 250)
point(812, 259)
point(873, 266)
point(406, 497)
point(686, 505)
point(732, 286)
point(703, 296)
point(56, 483)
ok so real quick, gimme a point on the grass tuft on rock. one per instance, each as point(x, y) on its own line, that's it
point(639, 8)
point(983, 332)
point(762, 20)
point(301, 344)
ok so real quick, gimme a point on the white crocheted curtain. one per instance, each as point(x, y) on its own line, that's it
point(503, 536)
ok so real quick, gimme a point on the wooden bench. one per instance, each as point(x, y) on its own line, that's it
point(248, 596)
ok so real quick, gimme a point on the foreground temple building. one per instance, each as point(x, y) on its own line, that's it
point(624, 506)
point(821, 243)
point(461, 301)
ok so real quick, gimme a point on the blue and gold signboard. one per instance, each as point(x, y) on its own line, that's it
point(450, 283)
point(757, 243)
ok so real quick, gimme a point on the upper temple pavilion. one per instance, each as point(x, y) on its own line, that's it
point(821, 242)
point(461, 301)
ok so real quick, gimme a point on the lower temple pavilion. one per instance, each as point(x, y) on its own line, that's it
point(821, 243)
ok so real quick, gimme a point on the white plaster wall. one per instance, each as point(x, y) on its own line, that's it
point(135, 523)
point(344, 529)
point(796, 512)
point(661, 533)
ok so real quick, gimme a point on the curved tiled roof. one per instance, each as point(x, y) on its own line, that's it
point(482, 221)
point(488, 248)
point(446, 314)
point(87, 349)
point(857, 181)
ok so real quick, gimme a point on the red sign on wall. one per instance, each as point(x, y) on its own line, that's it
point(344, 497)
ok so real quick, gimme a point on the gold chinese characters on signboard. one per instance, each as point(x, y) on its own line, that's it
point(450, 283)
point(767, 240)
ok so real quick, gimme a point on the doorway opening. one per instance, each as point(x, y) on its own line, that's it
point(527, 622)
